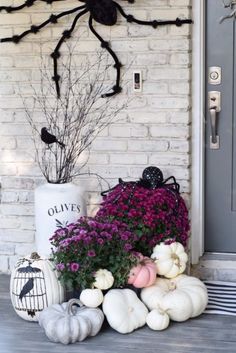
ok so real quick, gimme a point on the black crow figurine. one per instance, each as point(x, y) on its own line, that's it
point(48, 138)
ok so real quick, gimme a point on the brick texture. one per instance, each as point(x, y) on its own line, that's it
point(153, 130)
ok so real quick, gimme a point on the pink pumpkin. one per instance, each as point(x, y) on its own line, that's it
point(144, 274)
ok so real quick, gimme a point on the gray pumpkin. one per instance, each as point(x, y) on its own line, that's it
point(66, 323)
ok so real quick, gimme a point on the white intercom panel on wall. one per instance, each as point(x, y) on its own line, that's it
point(137, 81)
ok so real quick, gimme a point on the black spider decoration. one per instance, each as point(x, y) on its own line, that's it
point(102, 11)
point(152, 178)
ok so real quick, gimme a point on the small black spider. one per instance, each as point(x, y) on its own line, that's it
point(101, 11)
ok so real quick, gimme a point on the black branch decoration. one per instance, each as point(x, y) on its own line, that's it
point(104, 12)
point(69, 124)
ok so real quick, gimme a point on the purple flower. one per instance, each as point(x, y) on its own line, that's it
point(100, 241)
point(109, 236)
point(169, 241)
point(71, 227)
point(93, 233)
point(87, 240)
point(91, 253)
point(65, 242)
point(114, 229)
point(74, 267)
point(125, 235)
point(61, 232)
point(76, 238)
point(127, 247)
point(60, 267)
point(105, 234)
point(92, 223)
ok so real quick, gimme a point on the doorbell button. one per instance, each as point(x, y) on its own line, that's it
point(137, 81)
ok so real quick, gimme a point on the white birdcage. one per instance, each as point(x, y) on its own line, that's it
point(34, 286)
point(29, 290)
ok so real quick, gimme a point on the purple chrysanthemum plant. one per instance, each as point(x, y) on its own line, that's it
point(84, 247)
point(154, 216)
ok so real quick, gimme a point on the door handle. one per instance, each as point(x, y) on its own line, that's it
point(213, 125)
point(214, 105)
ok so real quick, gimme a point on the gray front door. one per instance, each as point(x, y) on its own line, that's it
point(220, 164)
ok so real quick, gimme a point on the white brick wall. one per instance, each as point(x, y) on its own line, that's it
point(154, 129)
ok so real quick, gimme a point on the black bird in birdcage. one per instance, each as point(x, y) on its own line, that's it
point(29, 290)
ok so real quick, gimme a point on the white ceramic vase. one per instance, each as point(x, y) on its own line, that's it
point(56, 205)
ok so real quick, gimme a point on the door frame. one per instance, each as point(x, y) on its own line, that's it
point(198, 131)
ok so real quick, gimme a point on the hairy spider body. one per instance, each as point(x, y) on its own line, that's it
point(104, 12)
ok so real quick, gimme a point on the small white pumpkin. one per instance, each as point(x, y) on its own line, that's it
point(181, 298)
point(158, 320)
point(91, 297)
point(34, 286)
point(68, 324)
point(170, 259)
point(124, 311)
point(103, 279)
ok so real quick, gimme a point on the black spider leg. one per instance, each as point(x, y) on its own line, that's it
point(27, 3)
point(124, 187)
point(103, 193)
point(34, 29)
point(174, 191)
point(134, 185)
point(117, 66)
point(178, 22)
point(175, 184)
point(9, 9)
point(56, 54)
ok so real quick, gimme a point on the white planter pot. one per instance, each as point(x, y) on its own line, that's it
point(56, 205)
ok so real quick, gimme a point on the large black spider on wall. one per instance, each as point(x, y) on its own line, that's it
point(101, 11)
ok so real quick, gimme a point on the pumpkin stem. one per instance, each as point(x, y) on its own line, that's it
point(72, 302)
point(145, 261)
point(34, 256)
point(176, 259)
point(172, 285)
point(174, 256)
point(161, 311)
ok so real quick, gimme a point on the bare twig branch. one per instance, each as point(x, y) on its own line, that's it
point(76, 118)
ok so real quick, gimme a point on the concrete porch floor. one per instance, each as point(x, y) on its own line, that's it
point(205, 334)
point(216, 267)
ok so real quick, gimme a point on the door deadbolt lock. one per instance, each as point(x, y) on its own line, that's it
point(214, 75)
point(214, 106)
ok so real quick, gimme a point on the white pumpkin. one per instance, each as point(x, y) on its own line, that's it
point(103, 279)
point(158, 320)
point(34, 286)
point(181, 298)
point(170, 259)
point(91, 297)
point(124, 311)
point(68, 324)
